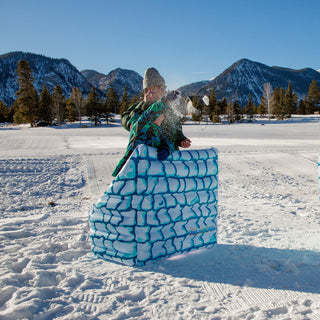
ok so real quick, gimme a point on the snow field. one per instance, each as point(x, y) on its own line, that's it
point(266, 264)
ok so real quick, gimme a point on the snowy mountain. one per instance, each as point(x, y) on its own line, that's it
point(193, 88)
point(248, 77)
point(46, 71)
point(244, 77)
point(117, 79)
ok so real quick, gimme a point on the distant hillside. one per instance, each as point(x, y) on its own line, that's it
point(248, 77)
point(244, 77)
point(117, 79)
point(93, 77)
point(46, 71)
point(193, 88)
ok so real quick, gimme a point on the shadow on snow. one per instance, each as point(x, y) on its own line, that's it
point(243, 265)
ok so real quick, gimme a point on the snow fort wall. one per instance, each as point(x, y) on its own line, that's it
point(154, 209)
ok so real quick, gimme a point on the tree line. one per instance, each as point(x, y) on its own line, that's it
point(278, 103)
point(31, 107)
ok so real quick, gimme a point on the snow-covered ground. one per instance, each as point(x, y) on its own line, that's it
point(266, 264)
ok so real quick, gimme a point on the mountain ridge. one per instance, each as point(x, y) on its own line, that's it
point(117, 79)
point(46, 71)
point(242, 78)
point(59, 71)
point(246, 77)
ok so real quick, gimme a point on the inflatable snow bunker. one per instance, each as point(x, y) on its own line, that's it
point(154, 209)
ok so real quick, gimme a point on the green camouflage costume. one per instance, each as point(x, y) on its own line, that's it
point(144, 131)
point(171, 124)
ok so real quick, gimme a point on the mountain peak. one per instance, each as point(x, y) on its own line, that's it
point(51, 72)
point(242, 78)
point(244, 60)
point(21, 55)
point(46, 71)
point(246, 77)
point(117, 79)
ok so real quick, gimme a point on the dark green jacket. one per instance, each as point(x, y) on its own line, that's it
point(171, 125)
point(145, 131)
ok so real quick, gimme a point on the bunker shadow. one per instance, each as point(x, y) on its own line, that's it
point(244, 265)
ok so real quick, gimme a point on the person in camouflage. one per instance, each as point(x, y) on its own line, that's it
point(154, 89)
point(147, 130)
point(152, 121)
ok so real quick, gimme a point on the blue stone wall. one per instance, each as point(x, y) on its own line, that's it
point(154, 209)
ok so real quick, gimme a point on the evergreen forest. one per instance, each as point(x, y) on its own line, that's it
point(45, 108)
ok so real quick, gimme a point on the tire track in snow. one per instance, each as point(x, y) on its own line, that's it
point(270, 301)
point(99, 170)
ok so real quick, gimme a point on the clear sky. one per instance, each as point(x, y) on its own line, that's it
point(186, 40)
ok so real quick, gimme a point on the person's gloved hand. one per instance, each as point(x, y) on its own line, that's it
point(163, 154)
point(170, 97)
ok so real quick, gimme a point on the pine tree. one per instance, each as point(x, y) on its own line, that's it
point(58, 104)
point(134, 100)
point(71, 111)
point(279, 104)
point(78, 101)
point(4, 112)
point(197, 116)
point(302, 106)
point(27, 97)
point(275, 99)
point(10, 114)
point(290, 101)
point(212, 107)
point(107, 109)
point(45, 106)
point(237, 110)
point(262, 107)
point(313, 98)
point(282, 107)
point(94, 106)
point(250, 108)
point(222, 106)
point(231, 112)
point(112, 101)
point(124, 103)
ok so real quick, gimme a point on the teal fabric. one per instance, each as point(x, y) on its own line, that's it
point(171, 125)
point(144, 131)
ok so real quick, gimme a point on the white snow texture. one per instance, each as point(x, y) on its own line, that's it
point(265, 265)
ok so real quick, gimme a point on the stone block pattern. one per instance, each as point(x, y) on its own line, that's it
point(155, 209)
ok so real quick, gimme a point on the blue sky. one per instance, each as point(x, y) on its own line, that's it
point(186, 40)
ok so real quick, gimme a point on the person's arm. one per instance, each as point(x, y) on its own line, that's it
point(144, 122)
point(131, 115)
